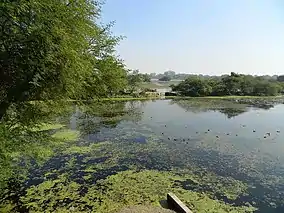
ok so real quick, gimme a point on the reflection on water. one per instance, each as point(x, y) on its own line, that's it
point(226, 139)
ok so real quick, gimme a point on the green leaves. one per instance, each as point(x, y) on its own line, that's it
point(194, 87)
point(52, 49)
point(235, 84)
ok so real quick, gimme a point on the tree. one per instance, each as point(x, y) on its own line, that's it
point(133, 79)
point(169, 73)
point(280, 78)
point(109, 80)
point(234, 84)
point(165, 78)
point(193, 87)
point(263, 88)
point(49, 48)
point(247, 85)
point(146, 77)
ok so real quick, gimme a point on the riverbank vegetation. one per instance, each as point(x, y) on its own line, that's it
point(234, 84)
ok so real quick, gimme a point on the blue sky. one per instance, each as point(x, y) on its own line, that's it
point(200, 36)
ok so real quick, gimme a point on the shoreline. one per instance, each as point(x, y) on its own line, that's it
point(187, 97)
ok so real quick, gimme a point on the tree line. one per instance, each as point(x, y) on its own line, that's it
point(171, 75)
point(233, 84)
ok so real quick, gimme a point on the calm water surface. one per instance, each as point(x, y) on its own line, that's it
point(242, 142)
point(230, 140)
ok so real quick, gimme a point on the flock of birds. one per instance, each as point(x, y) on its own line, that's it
point(267, 134)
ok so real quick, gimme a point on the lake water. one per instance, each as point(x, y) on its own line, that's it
point(234, 145)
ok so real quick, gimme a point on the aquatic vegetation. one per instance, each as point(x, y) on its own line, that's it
point(47, 126)
point(145, 209)
point(151, 155)
point(85, 149)
point(66, 135)
point(115, 159)
point(49, 194)
point(116, 191)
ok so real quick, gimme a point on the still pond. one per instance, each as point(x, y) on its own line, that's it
point(216, 155)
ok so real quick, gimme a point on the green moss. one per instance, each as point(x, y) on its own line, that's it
point(66, 135)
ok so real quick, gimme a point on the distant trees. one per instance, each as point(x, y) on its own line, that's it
point(145, 77)
point(193, 87)
point(169, 73)
point(165, 78)
point(233, 84)
point(134, 79)
point(280, 78)
point(183, 76)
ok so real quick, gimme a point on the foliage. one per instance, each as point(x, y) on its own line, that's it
point(165, 78)
point(235, 84)
point(193, 87)
point(183, 76)
point(280, 78)
point(145, 77)
point(25, 133)
point(109, 79)
point(55, 49)
point(135, 79)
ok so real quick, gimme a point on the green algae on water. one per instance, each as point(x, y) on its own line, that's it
point(47, 126)
point(66, 135)
point(126, 188)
